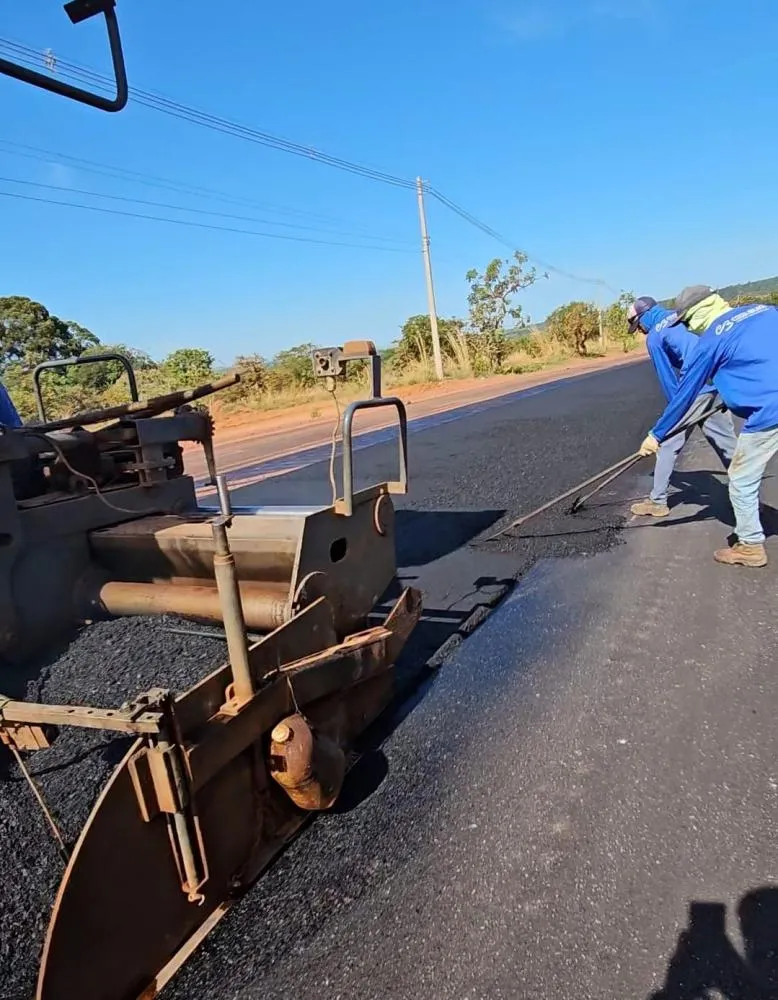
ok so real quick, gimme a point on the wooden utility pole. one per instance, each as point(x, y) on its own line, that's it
point(425, 252)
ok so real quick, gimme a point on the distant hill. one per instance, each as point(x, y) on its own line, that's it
point(743, 293)
point(751, 289)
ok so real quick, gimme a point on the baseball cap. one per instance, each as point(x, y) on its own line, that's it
point(690, 297)
point(638, 308)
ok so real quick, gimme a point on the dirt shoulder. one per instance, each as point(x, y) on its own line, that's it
point(234, 427)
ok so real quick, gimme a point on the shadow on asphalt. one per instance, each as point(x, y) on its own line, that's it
point(699, 488)
point(705, 489)
point(424, 536)
point(706, 964)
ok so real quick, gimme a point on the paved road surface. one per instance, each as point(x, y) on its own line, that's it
point(536, 823)
point(261, 453)
point(594, 767)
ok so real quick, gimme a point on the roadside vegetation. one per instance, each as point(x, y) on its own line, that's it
point(493, 338)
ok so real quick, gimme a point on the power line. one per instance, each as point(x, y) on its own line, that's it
point(152, 180)
point(30, 56)
point(484, 228)
point(179, 208)
point(158, 102)
point(198, 225)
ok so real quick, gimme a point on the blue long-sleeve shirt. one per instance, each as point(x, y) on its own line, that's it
point(669, 347)
point(739, 353)
point(8, 414)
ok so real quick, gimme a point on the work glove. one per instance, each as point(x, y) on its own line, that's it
point(650, 446)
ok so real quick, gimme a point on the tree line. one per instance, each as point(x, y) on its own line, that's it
point(494, 336)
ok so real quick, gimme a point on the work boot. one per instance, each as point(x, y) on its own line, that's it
point(742, 554)
point(650, 508)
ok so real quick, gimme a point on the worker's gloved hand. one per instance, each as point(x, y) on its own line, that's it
point(650, 446)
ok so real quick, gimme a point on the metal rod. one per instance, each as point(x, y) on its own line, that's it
point(232, 612)
point(612, 472)
point(564, 496)
point(579, 502)
point(251, 636)
point(223, 491)
point(40, 800)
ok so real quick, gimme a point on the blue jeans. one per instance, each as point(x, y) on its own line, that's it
point(752, 454)
point(719, 431)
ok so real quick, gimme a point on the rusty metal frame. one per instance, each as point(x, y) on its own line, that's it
point(179, 815)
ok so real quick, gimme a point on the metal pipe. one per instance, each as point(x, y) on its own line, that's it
point(262, 608)
point(223, 491)
point(232, 612)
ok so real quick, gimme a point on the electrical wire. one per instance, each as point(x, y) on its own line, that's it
point(81, 74)
point(332, 388)
point(484, 228)
point(177, 208)
point(200, 225)
point(153, 180)
point(74, 71)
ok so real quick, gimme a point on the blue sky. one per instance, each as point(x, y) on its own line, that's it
point(629, 140)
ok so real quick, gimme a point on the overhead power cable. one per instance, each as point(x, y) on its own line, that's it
point(180, 208)
point(484, 228)
point(81, 74)
point(164, 183)
point(198, 225)
point(73, 71)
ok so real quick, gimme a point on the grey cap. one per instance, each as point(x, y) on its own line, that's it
point(688, 299)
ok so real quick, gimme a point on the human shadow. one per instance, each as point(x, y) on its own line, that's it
point(712, 495)
point(705, 963)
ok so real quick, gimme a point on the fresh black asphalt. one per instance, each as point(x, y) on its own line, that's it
point(515, 830)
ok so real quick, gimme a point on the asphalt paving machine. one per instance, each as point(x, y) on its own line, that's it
point(99, 518)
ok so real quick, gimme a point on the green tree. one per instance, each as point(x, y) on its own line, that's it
point(100, 376)
point(293, 369)
point(415, 343)
point(491, 293)
point(188, 366)
point(614, 321)
point(575, 324)
point(29, 334)
point(490, 303)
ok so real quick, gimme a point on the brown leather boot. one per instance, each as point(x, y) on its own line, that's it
point(650, 508)
point(742, 554)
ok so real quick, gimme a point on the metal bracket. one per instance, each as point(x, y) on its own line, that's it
point(331, 362)
point(77, 11)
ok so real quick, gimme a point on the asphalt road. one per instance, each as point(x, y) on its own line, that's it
point(537, 820)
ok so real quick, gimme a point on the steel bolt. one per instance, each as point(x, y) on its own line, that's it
point(282, 733)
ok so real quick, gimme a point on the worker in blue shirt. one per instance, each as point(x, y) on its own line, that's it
point(8, 415)
point(669, 347)
point(738, 351)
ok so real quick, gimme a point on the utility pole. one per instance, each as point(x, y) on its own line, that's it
point(602, 331)
point(425, 251)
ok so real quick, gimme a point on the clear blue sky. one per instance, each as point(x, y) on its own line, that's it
point(631, 140)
